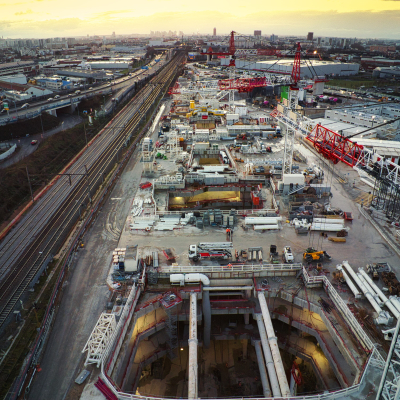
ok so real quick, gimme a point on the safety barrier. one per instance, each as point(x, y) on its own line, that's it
point(7, 153)
point(273, 268)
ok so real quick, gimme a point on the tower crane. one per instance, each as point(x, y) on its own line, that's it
point(242, 84)
point(286, 114)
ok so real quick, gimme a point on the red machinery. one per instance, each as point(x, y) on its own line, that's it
point(242, 84)
point(296, 373)
point(334, 146)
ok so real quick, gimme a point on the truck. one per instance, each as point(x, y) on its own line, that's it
point(287, 255)
point(210, 251)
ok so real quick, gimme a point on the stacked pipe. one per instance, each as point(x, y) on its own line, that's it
point(350, 283)
point(328, 225)
point(366, 289)
point(262, 223)
point(388, 302)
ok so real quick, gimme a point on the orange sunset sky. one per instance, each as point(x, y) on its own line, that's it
point(343, 18)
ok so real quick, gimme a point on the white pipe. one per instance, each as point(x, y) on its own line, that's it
point(390, 305)
point(263, 371)
point(395, 301)
point(273, 343)
point(192, 383)
point(329, 221)
point(227, 288)
point(261, 220)
point(369, 294)
point(363, 288)
point(189, 278)
point(204, 279)
point(327, 227)
point(268, 357)
point(263, 227)
point(351, 285)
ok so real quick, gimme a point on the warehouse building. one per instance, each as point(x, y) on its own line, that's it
point(307, 70)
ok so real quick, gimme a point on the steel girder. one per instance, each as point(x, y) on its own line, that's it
point(334, 146)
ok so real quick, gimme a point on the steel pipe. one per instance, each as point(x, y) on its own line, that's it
point(388, 302)
point(351, 285)
point(222, 288)
point(364, 288)
point(193, 378)
point(269, 362)
point(263, 371)
point(273, 343)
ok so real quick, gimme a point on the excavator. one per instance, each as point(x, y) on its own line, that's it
point(311, 255)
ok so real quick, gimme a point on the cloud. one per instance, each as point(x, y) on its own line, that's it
point(24, 12)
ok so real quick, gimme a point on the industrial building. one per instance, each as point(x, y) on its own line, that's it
point(307, 69)
point(25, 67)
point(388, 72)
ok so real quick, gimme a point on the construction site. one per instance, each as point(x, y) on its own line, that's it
point(249, 264)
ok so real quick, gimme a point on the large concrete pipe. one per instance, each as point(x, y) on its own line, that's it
point(388, 302)
point(193, 379)
point(350, 284)
point(263, 371)
point(273, 344)
point(223, 288)
point(206, 318)
point(269, 362)
point(364, 289)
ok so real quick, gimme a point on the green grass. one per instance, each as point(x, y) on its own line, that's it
point(356, 82)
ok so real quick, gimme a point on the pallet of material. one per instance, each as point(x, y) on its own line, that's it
point(337, 239)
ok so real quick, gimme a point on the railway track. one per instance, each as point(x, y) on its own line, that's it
point(62, 203)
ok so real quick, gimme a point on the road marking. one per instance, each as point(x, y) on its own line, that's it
point(116, 198)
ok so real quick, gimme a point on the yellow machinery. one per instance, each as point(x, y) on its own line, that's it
point(313, 255)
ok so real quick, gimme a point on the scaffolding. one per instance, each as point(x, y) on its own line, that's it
point(389, 388)
point(147, 155)
point(386, 197)
point(99, 339)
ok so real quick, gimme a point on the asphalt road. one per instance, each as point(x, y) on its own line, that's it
point(24, 144)
point(116, 85)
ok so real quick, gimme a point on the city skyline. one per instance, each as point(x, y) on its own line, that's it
point(48, 18)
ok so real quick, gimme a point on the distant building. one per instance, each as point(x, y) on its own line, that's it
point(25, 67)
point(382, 49)
point(273, 38)
point(257, 33)
point(215, 32)
point(370, 63)
point(310, 36)
point(389, 72)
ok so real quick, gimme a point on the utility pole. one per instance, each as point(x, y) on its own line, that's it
point(30, 186)
point(88, 185)
point(84, 128)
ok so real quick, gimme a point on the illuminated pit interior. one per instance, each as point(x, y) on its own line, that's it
point(228, 367)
